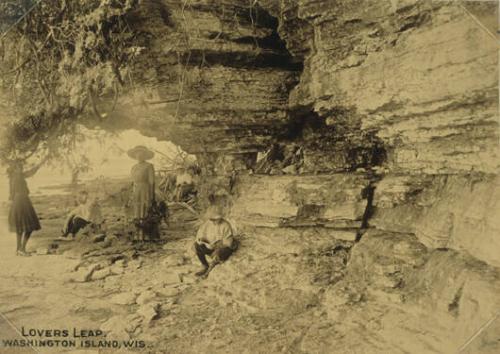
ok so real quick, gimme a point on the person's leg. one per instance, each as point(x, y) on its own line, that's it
point(183, 192)
point(19, 236)
point(137, 234)
point(155, 231)
point(27, 235)
point(77, 225)
point(144, 221)
point(220, 255)
point(138, 225)
point(139, 231)
point(223, 253)
point(68, 226)
point(201, 252)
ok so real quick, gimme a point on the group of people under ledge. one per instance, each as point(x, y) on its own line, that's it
point(215, 236)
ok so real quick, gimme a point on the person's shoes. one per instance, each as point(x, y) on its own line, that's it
point(201, 272)
point(209, 269)
point(23, 254)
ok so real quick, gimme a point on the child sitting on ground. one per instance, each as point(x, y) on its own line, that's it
point(87, 212)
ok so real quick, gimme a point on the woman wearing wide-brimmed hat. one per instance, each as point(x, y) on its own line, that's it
point(143, 177)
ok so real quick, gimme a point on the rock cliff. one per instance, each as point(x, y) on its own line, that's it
point(354, 143)
point(393, 106)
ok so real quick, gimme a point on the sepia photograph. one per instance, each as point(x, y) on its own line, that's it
point(249, 176)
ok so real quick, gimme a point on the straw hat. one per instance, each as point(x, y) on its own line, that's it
point(140, 153)
point(214, 212)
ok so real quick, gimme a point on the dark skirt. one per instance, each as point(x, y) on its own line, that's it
point(22, 215)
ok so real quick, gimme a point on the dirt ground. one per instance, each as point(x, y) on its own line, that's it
point(148, 293)
point(273, 296)
point(72, 287)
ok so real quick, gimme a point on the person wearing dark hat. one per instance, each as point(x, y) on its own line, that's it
point(214, 238)
point(143, 177)
point(23, 219)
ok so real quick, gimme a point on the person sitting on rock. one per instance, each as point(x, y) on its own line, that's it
point(184, 185)
point(214, 238)
point(87, 212)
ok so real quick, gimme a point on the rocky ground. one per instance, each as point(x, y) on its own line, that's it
point(384, 240)
point(288, 290)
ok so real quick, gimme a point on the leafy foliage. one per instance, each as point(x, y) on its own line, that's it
point(56, 65)
point(11, 11)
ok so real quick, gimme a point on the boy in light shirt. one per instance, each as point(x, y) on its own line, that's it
point(214, 238)
point(87, 212)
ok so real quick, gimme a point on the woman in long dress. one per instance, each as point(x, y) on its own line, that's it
point(143, 178)
point(23, 219)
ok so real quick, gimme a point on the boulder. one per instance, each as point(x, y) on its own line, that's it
point(337, 296)
point(98, 238)
point(135, 264)
point(458, 212)
point(109, 241)
point(168, 291)
point(120, 262)
point(459, 288)
point(382, 262)
point(174, 260)
point(116, 328)
point(149, 311)
point(117, 269)
point(133, 323)
point(83, 274)
point(42, 251)
point(188, 278)
point(145, 297)
point(346, 235)
point(272, 201)
point(101, 274)
point(127, 298)
point(169, 278)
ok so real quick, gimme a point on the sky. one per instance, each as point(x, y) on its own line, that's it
point(107, 156)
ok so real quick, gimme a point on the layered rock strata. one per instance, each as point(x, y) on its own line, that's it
point(394, 105)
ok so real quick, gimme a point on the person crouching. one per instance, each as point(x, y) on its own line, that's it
point(214, 238)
